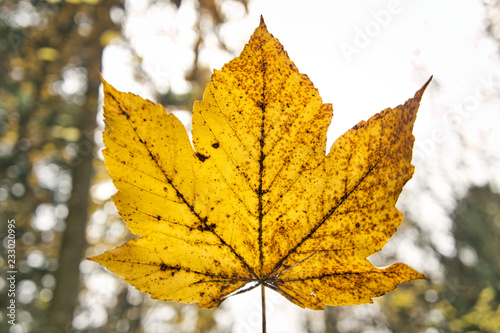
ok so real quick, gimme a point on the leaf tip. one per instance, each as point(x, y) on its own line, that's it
point(93, 258)
point(262, 24)
point(420, 92)
point(102, 79)
point(427, 83)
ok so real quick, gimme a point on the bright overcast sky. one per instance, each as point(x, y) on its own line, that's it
point(363, 56)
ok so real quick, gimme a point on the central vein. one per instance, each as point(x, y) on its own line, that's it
point(260, 191)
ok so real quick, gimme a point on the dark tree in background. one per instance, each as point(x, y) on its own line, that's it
point(473, 276)
point(50, 63)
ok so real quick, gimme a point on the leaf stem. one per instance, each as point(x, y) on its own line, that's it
point(263, 298)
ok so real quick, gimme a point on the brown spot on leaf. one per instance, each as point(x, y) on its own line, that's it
point(201, 157)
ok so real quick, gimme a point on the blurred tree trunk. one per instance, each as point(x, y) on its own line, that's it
point(89, 49)
point(71, 38)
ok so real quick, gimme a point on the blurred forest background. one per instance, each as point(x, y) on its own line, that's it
point(54, 184)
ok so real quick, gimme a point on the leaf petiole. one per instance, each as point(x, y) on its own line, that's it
point(263, 298)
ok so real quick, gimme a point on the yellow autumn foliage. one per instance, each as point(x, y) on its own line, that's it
point(256, 199)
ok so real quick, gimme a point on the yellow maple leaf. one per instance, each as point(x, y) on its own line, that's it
point(256, 200)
